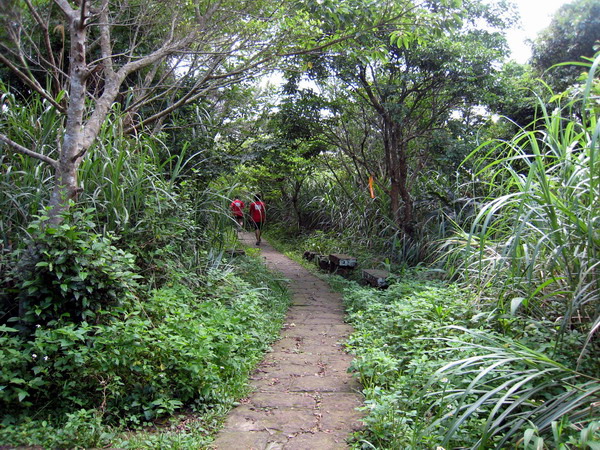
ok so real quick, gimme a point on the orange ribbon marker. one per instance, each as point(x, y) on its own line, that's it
point(371, 186)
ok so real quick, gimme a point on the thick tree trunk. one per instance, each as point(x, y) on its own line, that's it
point(72, 149)
point(396, 161)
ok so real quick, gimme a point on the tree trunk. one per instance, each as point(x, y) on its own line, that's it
point(395, 201)
point(407, 219)
point(295, 195)
point(397, 167)
point(72, 149)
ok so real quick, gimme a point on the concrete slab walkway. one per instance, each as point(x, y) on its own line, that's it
point(303, 398)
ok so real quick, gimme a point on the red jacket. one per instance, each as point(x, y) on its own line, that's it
point(237, 207)
point(258, 211)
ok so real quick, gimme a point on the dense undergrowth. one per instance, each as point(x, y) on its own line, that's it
point(125, 324)
point(436, 372)
point(176, 350)
point(98, 343)
point(440, 369)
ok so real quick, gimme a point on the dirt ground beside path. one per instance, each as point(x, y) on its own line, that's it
point(303, 396)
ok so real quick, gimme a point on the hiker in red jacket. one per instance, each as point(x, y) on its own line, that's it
point(258, 215)
point(237, 209)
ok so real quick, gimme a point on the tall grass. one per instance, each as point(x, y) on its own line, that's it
point(533, 250)
point(140, 189)
point(124, 174)
point(535, 239)
point(25, 183)
point(150, 195)
point(511, 390)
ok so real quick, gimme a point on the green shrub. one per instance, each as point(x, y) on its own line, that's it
point(81, 429)
point(395, 353)
point(177, 348)
point(435, 373)
point(68, 272)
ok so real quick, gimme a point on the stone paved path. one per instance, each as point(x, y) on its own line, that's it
point(303, 396)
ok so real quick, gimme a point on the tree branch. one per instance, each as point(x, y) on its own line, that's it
point(32, 83)
point(105, 45)
point(66, 8)
point(25, 151)
point(367, 87)
point(44, 25)
point(82, 15)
